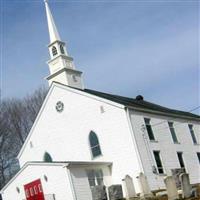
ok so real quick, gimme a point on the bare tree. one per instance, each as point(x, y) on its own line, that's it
point(33, 103)
point(8, 142)
point(16, 119)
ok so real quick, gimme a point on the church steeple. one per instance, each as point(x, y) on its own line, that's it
point(53, 33)
point(61, 65)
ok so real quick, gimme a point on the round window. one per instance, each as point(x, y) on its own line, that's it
point(59, 106)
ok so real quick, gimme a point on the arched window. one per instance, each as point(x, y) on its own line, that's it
point(94, 144)
point(47, 157)
point(54, 51)
point(62, 49)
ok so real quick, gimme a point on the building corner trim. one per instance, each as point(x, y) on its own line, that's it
point(134, 139)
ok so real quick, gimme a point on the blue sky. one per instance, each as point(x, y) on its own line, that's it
point(123, 47)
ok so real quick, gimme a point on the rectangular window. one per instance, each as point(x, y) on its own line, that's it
point(198, 156)
point(172, 130)
point(95, 177)
point(158, 162)
point(149, 129)
point(180, 159)
point(99, 177)
point(192, 133)
point(91, 178)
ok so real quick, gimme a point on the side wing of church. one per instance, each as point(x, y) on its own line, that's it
point(83, 138)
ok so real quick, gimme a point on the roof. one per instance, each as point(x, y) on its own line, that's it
point(142, 104)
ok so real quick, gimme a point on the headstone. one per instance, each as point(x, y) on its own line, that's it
point(171, 188)
point(194, 192)
point(144, 186)
point(99, 192)
point(115, 192)
point(175, 174)
point(129, 187)
point(185, 185)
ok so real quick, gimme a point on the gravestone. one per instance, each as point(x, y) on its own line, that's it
point(171, 188)
point(185, 185)
point(144, 186)
point(129, 187)
point(115, 192)
point(175, 174)
point(99, 192)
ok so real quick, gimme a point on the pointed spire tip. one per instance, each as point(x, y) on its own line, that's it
point(53, 32)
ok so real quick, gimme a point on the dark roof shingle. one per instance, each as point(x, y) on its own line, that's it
point(131, 102)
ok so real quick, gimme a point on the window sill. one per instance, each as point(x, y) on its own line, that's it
point(154, 141)
point(162, 174)
point(93, 158)
point(177, 143)
point(196, 144)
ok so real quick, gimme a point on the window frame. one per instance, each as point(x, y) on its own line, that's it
point(149, 129)
point(94, 178)
point(62, 50)
point(181, 162)
point(161, 162)
point(74, 78)
point(94, 146)
point(99, 177)
point(54, 51)
point(198, 156)
point(192, 134)
point(173, 132)
point(47, 157)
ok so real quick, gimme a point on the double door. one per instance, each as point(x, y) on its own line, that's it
point(34, 191)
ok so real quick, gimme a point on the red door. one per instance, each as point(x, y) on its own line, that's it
point(34, 190)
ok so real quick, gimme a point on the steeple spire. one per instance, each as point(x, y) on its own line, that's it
point(61, 65)
point(53, 33)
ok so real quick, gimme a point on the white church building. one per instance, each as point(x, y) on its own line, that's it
point(82, 138)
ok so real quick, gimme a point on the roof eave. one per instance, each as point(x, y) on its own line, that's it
point(164, 113)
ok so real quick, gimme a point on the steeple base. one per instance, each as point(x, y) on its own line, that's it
point(68, 77)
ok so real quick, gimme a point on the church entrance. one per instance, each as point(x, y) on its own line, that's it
point(34, 191)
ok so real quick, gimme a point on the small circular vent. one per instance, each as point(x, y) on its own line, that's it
point(59, 106)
